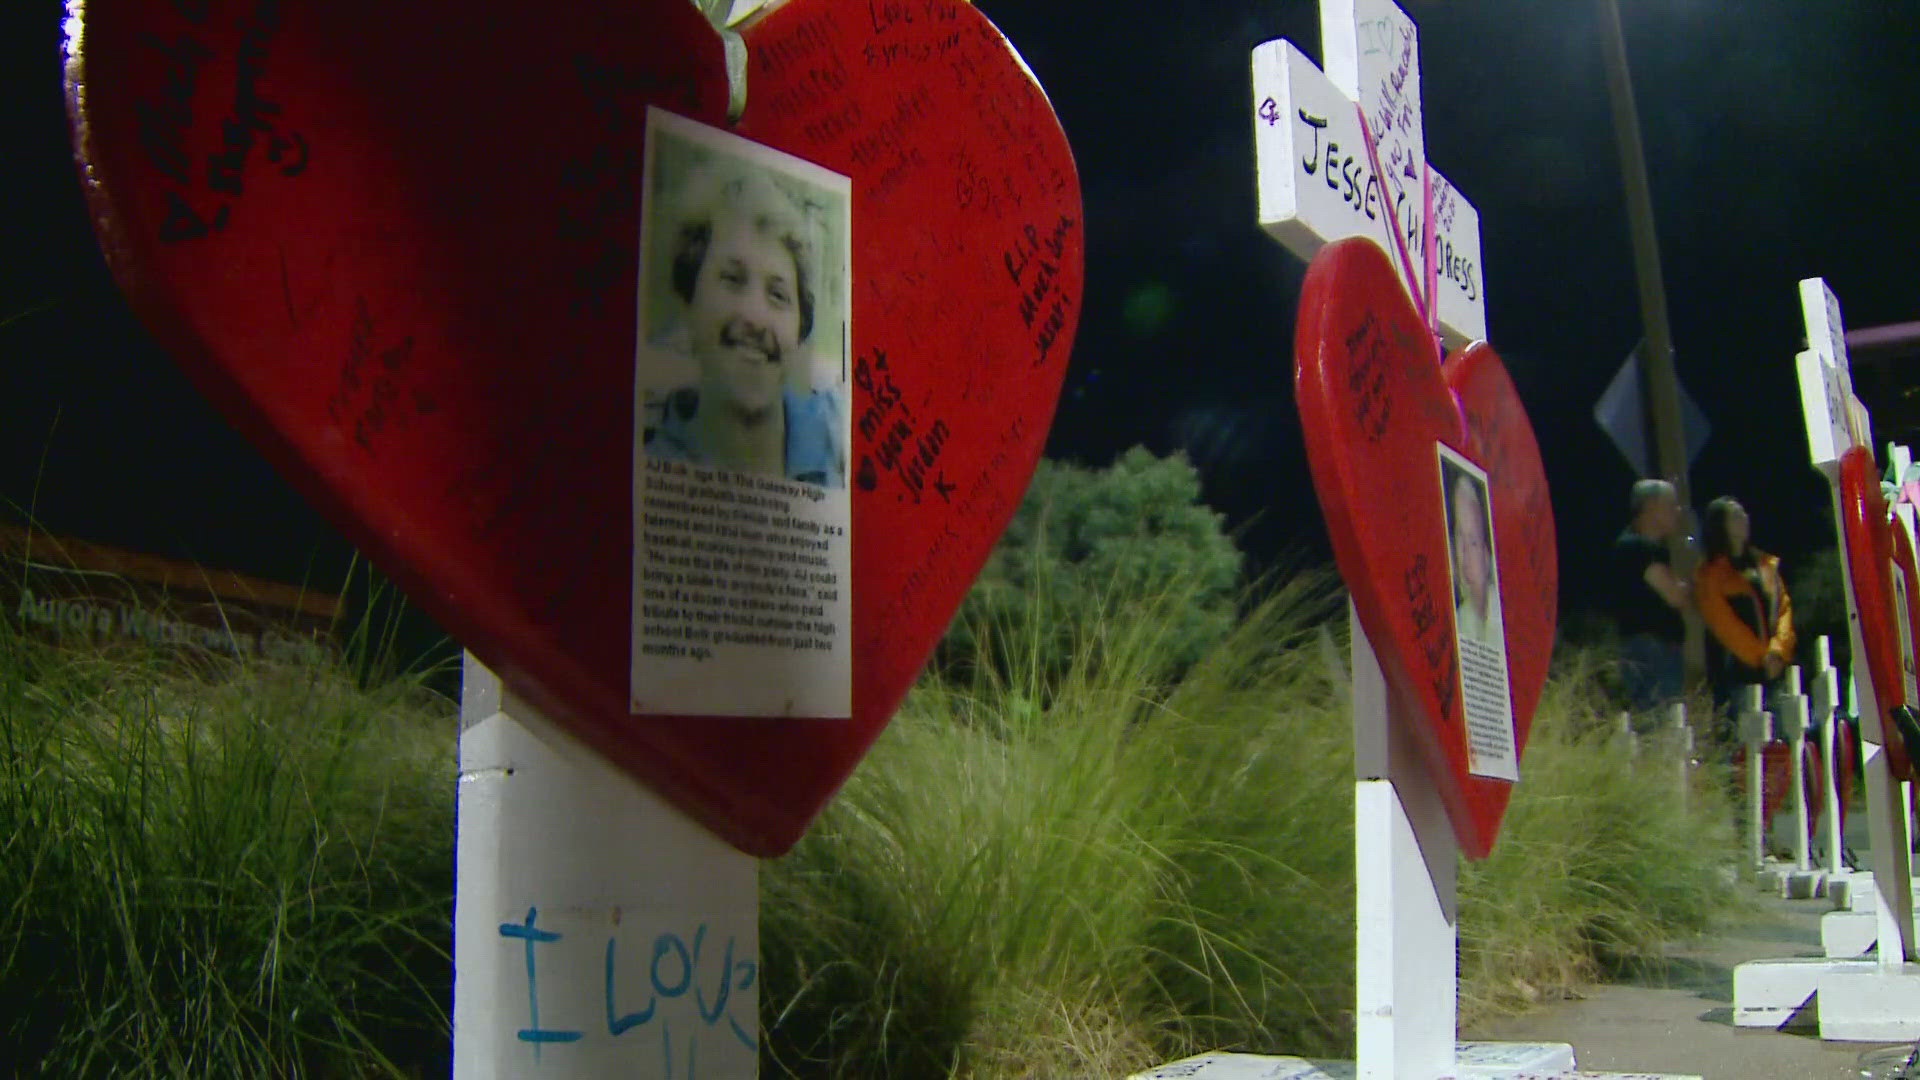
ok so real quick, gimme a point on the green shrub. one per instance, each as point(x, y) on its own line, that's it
point(1137, 871)
point(1091, 547)
point(1001, 884)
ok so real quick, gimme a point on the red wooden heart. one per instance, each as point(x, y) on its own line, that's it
point(1374, 407)
point(398, 245)
point(1870, 551)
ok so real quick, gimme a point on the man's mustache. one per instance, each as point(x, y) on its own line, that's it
point(738, 332)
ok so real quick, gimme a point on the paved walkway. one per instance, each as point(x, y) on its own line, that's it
point(1679, 1020)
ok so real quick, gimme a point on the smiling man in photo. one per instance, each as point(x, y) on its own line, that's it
point(743, 268)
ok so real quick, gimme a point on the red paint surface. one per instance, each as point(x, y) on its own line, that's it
point(420, 304)
point(1373, 404)
point(1870, 549)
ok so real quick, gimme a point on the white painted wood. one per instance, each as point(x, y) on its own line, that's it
point(1877, 1004)
point(1848, 935)
point(597, 930)
point(1478, 1061)
point(1681, 738)
point(1836, 421)
point(1893, 906)
point(1773, 993)
point(1906, 805)
point(1825, 703)
point(1806, 884)
point(1316, 183)
point(1625, 736)
point(1319, 180)
point(1406, 877)
point(1863, 891)
point(1793, 721)
point(1755, 728)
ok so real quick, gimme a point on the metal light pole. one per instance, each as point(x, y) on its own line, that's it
point(1660, 385)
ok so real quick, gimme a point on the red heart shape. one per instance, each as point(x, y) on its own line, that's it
point(1375, 408)
point(398, 245)
point(1875, 545)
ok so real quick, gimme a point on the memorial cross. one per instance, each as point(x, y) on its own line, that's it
point(1756, 730)
point(1682, 738)
point(1791, 712)
point(1837, 422)
point(1826, 707)
point(1341, 154)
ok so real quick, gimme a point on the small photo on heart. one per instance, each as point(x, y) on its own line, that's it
point(744, 281)
point(1479, 631)
point(742, 519)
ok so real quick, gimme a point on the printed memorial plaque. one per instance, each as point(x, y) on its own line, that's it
point(1479, 633)
point(742, 547)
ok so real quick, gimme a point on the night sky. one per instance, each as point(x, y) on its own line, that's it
point(1781, 139)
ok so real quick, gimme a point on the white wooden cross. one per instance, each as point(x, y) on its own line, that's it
point(1325, 174)
point(1837, 422)
point(1317, 177)
point(1826, 705)
point(1791, 712)
point(1755, 726)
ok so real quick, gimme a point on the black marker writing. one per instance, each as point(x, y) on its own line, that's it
point(164, 122)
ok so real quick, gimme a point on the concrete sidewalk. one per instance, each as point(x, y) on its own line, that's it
point(1679, 1019)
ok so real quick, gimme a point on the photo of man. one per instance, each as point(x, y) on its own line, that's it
point(741, 431)
point(745, 244)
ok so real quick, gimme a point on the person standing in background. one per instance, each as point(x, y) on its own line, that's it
point(1743, 601)
point(1648, 598)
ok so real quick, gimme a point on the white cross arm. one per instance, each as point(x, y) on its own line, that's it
point(1836, 422)
point(1826, 332)
point(1825, 399)
point(1316, 185)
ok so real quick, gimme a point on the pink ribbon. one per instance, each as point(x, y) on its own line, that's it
point(1393, 222)
point(1426, 302)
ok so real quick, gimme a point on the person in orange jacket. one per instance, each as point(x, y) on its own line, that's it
point(1743, 601)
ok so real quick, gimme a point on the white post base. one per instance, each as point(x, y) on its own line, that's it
point(1873, 1005)
point(1476, 1061)
point(1848, 935)
point(1845, 887)
point(1859, 892)
point(1806, 884)
point(1781, 878)
point(597, 930)
point(1771, 876)
point(1779, 993)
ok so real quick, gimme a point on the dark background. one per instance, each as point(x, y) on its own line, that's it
point(1780, 140)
